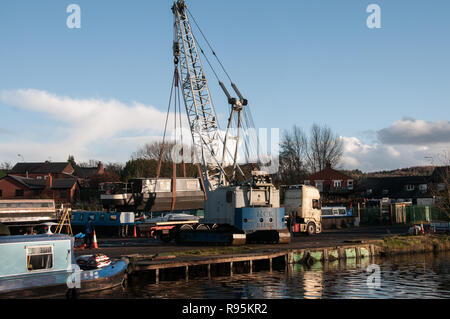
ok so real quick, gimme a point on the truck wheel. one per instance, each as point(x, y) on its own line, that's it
point(202, 227)
point(311, 229)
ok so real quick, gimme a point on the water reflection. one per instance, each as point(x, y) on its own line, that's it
point(421, 276)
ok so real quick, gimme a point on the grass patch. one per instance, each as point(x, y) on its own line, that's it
point(210, 251)
point(414, 244)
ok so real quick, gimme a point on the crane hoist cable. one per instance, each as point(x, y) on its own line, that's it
point(212, 50)
point(158, 170)
point(175, 97)
point(248, 119)
point(244, 120)
point(228, 152)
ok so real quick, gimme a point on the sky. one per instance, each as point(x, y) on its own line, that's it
point(100, 92)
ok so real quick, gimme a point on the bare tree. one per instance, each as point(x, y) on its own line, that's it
point(293, 148)
point(323, 147)
point(153, 151)
point(441, 185)
point(116, 168)
point(90, 163)
point(6, 166)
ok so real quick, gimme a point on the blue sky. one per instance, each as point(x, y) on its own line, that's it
point(385, 91)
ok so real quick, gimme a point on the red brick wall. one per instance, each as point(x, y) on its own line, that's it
point(9, 187)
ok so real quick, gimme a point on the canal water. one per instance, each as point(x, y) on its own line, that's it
point(412, 276)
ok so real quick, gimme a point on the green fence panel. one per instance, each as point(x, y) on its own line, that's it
point(403, 215)
point(370, 216)
point(439, 215)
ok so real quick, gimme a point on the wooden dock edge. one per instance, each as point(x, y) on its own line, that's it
point(286, 256)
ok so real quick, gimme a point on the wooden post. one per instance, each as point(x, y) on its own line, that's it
point(157, 275)
point(358, 253)
point(390, 214)
point(209, 271)
point(251, 266)
point(359, 214)
point(187, 273)
point(270, 264)
point(381, 211)
point(231, 268)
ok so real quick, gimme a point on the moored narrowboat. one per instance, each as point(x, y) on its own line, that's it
point(44, 266)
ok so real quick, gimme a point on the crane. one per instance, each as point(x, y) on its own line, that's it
point(236, 209)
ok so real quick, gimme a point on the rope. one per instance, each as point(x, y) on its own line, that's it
point(158, 170)
point(181, 130)
point(212, 50)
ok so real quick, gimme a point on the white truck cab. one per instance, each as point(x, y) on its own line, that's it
point(303, 209)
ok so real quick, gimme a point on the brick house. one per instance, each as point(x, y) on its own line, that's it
point(330, 180)
point(62, 190)
point(85, 173)
point(43, 169)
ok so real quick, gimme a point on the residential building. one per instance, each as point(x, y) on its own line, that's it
point(85, 173)
point(414, 189)
point(62, 190)
point(330, 180)
point(42, 169)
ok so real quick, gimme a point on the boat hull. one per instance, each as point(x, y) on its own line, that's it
point(104, 278)
point(157, 202)
point(91, 281)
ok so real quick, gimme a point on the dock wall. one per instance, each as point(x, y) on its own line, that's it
point(185, 267)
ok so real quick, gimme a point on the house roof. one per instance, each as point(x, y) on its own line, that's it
point(439, 173)
point(328, 174)
point(85, 172)
point(63, 183)
point(42, 168)
point(395, 186)
point(31, 183)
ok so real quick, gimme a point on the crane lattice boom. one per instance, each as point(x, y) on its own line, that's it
point(197, 98)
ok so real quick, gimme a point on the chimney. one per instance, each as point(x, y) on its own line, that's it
point(100, 168)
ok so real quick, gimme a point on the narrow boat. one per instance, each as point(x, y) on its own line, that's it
point(44, 266)
point(154, 195)
point(105, 223)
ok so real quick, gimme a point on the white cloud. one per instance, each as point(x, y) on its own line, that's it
point(378, 156)
point(111, 131)
point(415, 132)
point(405, 143)
point(90, 124)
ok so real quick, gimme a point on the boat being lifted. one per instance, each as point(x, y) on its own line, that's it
point(153, 195)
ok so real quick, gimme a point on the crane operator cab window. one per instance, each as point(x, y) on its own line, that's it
point(316, 204)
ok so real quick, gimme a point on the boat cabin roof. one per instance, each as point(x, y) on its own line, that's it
point(32, 238)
